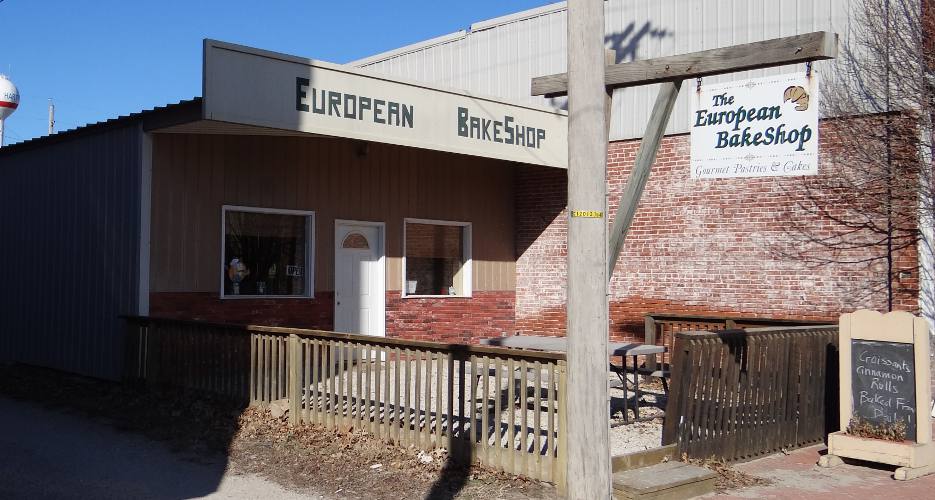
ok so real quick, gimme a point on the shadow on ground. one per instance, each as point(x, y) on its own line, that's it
point(54, 454)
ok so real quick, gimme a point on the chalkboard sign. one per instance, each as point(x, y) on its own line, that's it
point(884, 378)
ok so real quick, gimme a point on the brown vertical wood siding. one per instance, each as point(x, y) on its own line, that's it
point(194, 175)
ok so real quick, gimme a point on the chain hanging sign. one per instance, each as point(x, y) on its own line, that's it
point(759, 127)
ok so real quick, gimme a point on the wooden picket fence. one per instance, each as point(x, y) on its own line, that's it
point(501, 407)
point(661, 328)
point(739, 394)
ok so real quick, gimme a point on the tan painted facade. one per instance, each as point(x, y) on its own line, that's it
point(195, 175)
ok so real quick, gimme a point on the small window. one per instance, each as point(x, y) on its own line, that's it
point(356, 241)
point(437, 259)
point(266, 253)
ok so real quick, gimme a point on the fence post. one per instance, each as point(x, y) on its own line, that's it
point(294, 388)
point(649, 337)
point(561, 456)
point(673, 411)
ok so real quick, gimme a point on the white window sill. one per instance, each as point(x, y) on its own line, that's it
point(436, 296)
point(237, 297)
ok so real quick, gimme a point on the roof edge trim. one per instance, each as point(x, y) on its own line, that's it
point(406, 49)
point(519, 16)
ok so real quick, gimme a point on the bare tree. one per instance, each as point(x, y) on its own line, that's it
point(875, 193)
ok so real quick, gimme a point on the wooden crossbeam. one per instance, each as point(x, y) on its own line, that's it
point(768, 53)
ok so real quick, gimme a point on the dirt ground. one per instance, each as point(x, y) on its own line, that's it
point(253, 443)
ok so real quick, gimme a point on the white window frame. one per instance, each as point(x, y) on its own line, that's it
point(309, 250)
point(466, 273)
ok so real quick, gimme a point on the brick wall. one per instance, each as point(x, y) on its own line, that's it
point(449, 319)
point(731, 246)
point(317, 313)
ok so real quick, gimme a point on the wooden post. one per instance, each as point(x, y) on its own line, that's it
point(645, 157)
point(588, 472)
point(294, 387)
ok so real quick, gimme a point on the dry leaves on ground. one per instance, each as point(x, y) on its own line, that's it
point(728, 478)
point(346, 464)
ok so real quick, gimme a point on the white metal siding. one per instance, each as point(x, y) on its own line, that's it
point(499, 57)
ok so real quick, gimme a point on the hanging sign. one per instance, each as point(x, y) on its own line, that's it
point(759, 127)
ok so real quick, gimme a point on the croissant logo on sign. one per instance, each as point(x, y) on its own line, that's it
point(798, 95)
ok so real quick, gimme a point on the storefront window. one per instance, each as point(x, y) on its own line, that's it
point(437, 258)
point(266, 252)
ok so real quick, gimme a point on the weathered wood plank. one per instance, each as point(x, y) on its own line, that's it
point(440, 370)
point(485, 388)
point(636, 181)
point(380, 401)
point(315, 383)
point(765, 54)
point(294, 385)
point(417, 405)
point(426, 438)
point(397, 363)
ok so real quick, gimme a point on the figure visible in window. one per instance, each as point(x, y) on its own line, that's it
point(236, 272)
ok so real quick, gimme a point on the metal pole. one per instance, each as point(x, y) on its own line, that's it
point(51, 116)
point(587, 410)
point(1, 133)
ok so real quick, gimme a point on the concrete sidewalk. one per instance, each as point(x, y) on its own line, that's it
point(796, 476)
point(47, 454)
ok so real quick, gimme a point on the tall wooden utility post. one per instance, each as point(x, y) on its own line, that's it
point(588, 425)
point(591, 254)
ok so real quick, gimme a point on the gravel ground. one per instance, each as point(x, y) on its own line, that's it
point(628, 436)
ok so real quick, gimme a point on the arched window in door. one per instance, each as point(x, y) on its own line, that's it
point(355, 241)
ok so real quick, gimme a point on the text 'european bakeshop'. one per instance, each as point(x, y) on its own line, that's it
point(737, 137)
point(505, 131)
point(350, 106)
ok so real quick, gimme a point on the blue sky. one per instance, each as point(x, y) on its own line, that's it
point(101, 58)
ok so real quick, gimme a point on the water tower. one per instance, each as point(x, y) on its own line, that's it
point(9, 101)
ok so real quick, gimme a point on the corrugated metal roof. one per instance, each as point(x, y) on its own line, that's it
point(121, 120)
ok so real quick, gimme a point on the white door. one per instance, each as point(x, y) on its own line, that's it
point(359, 284)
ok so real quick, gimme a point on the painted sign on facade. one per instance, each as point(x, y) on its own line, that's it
point(756, 128)
point(256, 87)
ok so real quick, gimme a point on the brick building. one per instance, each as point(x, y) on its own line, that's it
point(707, 247)
point(344, 199)
point(294, 193)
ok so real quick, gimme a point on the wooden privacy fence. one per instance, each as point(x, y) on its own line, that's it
point(738, 394)
point(502, 407)
point(661, 328)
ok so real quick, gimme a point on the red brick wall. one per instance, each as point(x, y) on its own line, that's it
point(317, 313)
point(450, 319)
point(697, 246)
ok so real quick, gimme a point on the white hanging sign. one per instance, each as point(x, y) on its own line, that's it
point(760, 127)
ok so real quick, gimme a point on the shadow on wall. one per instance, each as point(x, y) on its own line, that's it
point(625, 45)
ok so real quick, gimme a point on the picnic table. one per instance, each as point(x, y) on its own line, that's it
point(622, 349)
